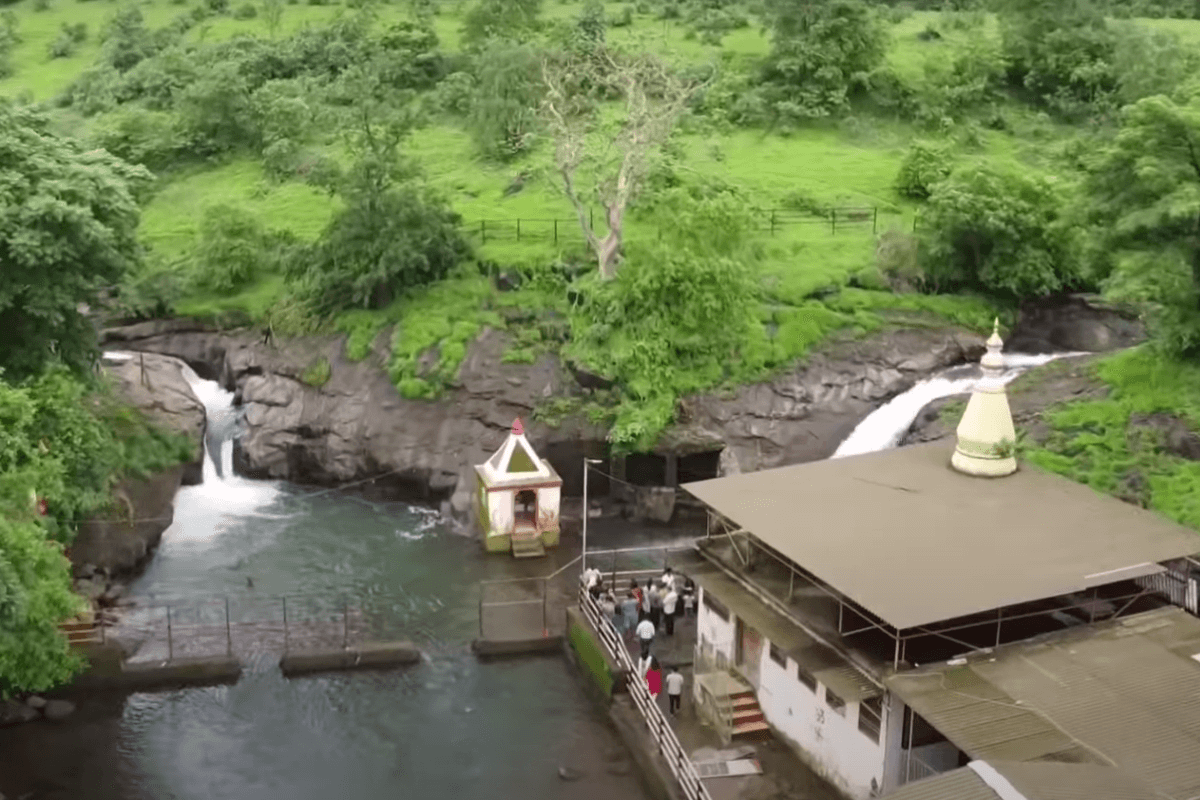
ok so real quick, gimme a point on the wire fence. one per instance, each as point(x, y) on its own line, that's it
point(771, 221)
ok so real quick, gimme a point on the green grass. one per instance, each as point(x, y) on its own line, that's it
point(1090, 442)
point(317, 373)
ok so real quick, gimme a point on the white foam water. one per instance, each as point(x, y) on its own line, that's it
point(886, 426)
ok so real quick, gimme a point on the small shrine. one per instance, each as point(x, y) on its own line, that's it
point(517, 499)
point(986, 444)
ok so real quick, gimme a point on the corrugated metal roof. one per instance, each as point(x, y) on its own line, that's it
point(822, 662)
point(967, 545)
point(1043, 781)
point(960, 784)
point(1122, 690)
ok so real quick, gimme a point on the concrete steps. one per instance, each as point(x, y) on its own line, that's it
point(748, 718)
point(528, 548)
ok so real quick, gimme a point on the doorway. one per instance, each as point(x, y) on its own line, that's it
point(525, 510)
point(748, 645)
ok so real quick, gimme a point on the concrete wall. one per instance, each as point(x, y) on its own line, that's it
point(500, 510)
point(893, 738)
point(828, 741)
point(548, 503)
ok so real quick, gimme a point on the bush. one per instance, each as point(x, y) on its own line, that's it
point(41, 5)
point(245, 11)
point(624, 19)
point(503, 114)
point(898, 258)
point(924, 165)
point(232, 249)
point(377, 247)
point(152, 138)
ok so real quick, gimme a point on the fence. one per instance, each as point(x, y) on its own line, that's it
point(526, 608)
point(767, 221)
point(915, 769)
point(1178, 585)
point(641, 563)
point(664, 736)
point(244, 626)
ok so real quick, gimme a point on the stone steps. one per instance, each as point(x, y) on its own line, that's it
point(528, 548)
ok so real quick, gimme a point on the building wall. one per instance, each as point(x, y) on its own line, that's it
point(893, 733)
point(500, 510)
point(829, 741)
point(548, 503)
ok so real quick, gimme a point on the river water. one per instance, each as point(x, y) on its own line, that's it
point(450, 727)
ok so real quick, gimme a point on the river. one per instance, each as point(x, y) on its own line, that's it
point(451, 727)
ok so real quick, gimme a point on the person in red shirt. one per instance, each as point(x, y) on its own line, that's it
point(654, 678)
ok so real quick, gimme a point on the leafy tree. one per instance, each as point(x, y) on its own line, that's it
point(216, 110)
point(232, 248)
point(273, 15)
point(1149, 62)
point(923, 166)
point(126, 39)
point(591, 23)
point(820, 51)
point(508, 19)
point(1001, 231)
point(617, 153)
point(393, 232)
point(505, 98)
point(1145, 205)
point(9, 39)
point(1061, 51)
point(69, 225)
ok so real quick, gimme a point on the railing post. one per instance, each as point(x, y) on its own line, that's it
point(592, 225)
point(518, 229)
point(228, 634)
point(772, 222)
point(545, 595)
point(556, 231)
point(833, 220)
point(345, 624)
point(170, 643)
point(285, 627)
point(481, 609)
point(483, 231)
point(874, 219)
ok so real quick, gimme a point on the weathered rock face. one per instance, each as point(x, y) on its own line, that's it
point(1078, 323)
point(155, 384)
point(356, 425)
point(805, 415)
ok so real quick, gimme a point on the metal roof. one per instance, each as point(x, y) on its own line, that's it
point(1034, 781)
point(820, 661)
point(1124, 693)
point(959, 784)
point(966, 544)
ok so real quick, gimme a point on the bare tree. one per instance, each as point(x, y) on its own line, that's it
point(654, 98)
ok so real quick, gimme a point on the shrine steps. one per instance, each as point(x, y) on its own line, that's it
point(530, 547)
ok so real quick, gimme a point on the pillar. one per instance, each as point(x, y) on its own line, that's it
point(672, 472)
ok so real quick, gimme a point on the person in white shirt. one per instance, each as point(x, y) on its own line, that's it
point(670, 605)
point(668, 578)
point(674, 690)
point(645, 634)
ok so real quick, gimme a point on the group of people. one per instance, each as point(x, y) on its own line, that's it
point(641, 612)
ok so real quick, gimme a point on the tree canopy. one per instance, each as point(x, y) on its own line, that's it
point(68, 225)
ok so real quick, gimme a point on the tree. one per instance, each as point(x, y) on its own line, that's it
point(1001, 231)
point(68, 226)
point(393, 232)
point(616, 156)
point(1145, 203)
point(273, 14)
point(820, 49)
point(505, 96)
point(1060, 51)
point(508, 19)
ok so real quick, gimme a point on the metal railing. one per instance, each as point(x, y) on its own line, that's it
point(640, 563)
point(915, 769)
point(1178, 585)
point(232, 625)
point(514, 609)
point(672, 751)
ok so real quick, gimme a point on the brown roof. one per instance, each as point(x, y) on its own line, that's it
point(1035, 781)
point(1124, 693)
point(913, 541)
point(820, 661)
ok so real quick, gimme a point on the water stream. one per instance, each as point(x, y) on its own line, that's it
point(886, 426)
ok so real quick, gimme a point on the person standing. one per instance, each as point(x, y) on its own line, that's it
point(668, 578)
point(645, 635)
point(654, 678)
point(670, 606)
point(674, 690)
point(609, 607)
point(629, 610)
point(656, 596)
point(689, 598)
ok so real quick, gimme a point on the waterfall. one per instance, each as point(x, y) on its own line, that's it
point(220, 487)
point(886, 426)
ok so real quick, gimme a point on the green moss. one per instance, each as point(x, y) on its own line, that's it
point(521, 355)
point(317, 374)
point(952, 412)
point(1090, 441)
point(584, 643)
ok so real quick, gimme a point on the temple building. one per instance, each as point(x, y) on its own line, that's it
point(943, 611)
point(517, 500)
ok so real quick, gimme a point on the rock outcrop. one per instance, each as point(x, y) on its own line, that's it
point(355, 425)
point(155, 384)
point(1075, 323)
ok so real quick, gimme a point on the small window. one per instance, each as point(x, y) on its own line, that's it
point(777, 656)
point(715, 606)
point(837, 704)
point(870, 717)
point(805, 677)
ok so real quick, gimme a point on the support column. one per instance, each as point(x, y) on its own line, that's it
point(672, 472)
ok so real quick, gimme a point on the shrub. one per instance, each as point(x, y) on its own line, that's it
point(622, 20)
point(897, 257)
point(231, 249)
point(41, 5)
point(245, 11)
point(923, 166)
point(140, 136)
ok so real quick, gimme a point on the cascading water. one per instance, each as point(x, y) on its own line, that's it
point(884, 427)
